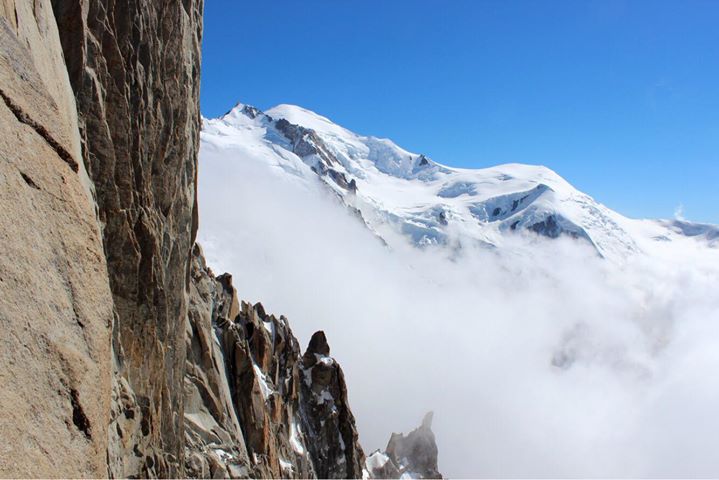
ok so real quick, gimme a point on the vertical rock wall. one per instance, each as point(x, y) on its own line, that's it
point(55, 302)
point(134, 66)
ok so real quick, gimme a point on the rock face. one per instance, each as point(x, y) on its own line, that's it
point(254, 406)
point(134, 67)
point(55, 303)
point(310, 147)
point(328, 418)
point(410, 456)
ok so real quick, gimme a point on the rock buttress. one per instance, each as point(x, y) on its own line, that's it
point(134, 66)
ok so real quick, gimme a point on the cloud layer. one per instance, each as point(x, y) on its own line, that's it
point(540, 360)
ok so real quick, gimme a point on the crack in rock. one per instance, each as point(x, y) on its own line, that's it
point(42, 131)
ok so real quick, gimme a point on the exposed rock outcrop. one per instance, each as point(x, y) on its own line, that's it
point(134, 67)
point(327, 417)
point(307, 145)
point(254, 406)
point(55, 302)
point(409, 456)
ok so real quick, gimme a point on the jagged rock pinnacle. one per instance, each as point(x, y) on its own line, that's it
point(318, 344)
point(427, 420)
point(413, 455)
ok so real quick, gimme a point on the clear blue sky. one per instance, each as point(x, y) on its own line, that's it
point(620, 98)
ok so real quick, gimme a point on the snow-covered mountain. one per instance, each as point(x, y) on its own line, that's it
point(399, 193)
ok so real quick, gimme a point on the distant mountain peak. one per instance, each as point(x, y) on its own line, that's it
point(396, 191)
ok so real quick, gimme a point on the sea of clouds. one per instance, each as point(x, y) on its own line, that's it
point(539, 361)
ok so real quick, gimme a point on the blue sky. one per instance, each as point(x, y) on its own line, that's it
point(620, 98)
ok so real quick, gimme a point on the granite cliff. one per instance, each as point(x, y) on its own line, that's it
point(56, 308)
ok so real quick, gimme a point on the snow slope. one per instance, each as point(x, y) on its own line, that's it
point(400, 194)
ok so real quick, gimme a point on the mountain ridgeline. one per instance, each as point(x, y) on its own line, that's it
point(400, 195)
point(123, 355)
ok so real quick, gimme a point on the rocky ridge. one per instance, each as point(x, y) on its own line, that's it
point(254, 405)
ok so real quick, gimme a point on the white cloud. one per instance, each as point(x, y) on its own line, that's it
point(679, 212)
point(633, 390)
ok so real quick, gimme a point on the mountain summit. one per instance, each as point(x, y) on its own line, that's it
point(398, 193)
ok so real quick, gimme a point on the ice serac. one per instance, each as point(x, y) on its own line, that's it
point(134, 67)
point(254, 405)
point(55, 301)
point(407, 456)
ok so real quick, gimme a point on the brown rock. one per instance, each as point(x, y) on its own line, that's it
point(55, 302)
point(328, 419)
point(318, 345)
point(241, 383)
point(272, 412)
point(134, 67)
